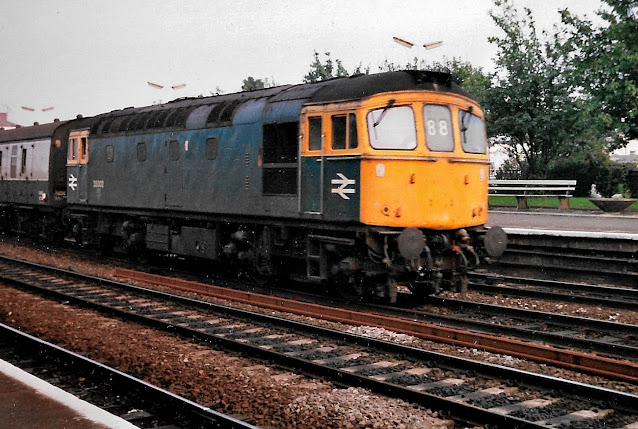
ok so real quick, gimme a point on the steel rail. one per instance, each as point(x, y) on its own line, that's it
point(617, 297)
point(577, 361)
point(619, 271)
point(573, 360)
point(469, 315)
point(460, 410)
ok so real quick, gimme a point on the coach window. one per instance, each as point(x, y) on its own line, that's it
point(23, 165)
point(344, 132)
point(212, 148)
point(315, 133)
point(437, 121)
point(141, 152)
point(14, 162)
point(173, 150)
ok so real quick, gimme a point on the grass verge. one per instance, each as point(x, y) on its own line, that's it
point(576, 203)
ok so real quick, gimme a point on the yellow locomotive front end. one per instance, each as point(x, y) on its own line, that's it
point(425, 163)
point(424, 182)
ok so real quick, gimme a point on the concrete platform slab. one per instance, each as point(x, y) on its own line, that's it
point(27, 402)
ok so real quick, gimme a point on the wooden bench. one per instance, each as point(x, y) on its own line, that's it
point(524, 189)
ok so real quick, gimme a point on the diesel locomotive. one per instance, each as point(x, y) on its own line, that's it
point(370, 182)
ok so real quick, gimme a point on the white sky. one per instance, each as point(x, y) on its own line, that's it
point(90, 57)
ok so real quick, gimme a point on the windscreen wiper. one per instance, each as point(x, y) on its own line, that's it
point(464, 116)
point(385, 109)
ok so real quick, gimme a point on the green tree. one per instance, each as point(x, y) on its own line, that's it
point(607, 67)
point(251, 84)
point(323, 71)
point(472, 79)
point(533, 108)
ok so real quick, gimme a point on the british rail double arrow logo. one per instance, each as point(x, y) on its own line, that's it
point(73, 182)
point(343, 189)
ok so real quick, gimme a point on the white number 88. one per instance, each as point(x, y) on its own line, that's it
point(443, 128)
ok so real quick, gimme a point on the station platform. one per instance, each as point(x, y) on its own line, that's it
point(27, 402)
point(566, 222)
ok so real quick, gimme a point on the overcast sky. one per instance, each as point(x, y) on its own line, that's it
point(90, 57)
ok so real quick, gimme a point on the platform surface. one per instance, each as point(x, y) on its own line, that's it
point(27, 402)
point(565, 220)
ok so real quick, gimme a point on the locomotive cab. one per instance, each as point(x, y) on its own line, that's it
point(412, 166)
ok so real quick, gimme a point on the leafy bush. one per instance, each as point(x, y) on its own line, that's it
point(592, 168)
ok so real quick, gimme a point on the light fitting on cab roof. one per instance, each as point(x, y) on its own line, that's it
point(407, 44)
point(403, 42)
point(31, 109)
point(433, 45)
point(158, 86)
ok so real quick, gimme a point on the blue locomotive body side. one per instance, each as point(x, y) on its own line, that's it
point(205, 171)
point(171, 171)
point(227, 170)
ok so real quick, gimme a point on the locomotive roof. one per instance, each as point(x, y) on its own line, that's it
point(362, 86)
point(30, 133)
point(219, 110)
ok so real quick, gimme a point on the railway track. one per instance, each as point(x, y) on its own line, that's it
point(430, 326)
point(567, 256)
point(591, 294)
point(611, 339)
point(606, 338)
point(142, 404)
point(469, 391)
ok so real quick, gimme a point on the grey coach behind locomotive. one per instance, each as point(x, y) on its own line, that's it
point(33, 166)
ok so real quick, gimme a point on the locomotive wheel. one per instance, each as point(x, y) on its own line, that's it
point(424, 289)
point(105, 245)
point(350, 289)
point(460, 279)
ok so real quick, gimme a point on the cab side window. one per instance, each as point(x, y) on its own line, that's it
point(84, 150)
point(315, 134)
point(73, 150)
point(78, 147)
point(339, 129)
point(353, 138)
point(344, 132)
